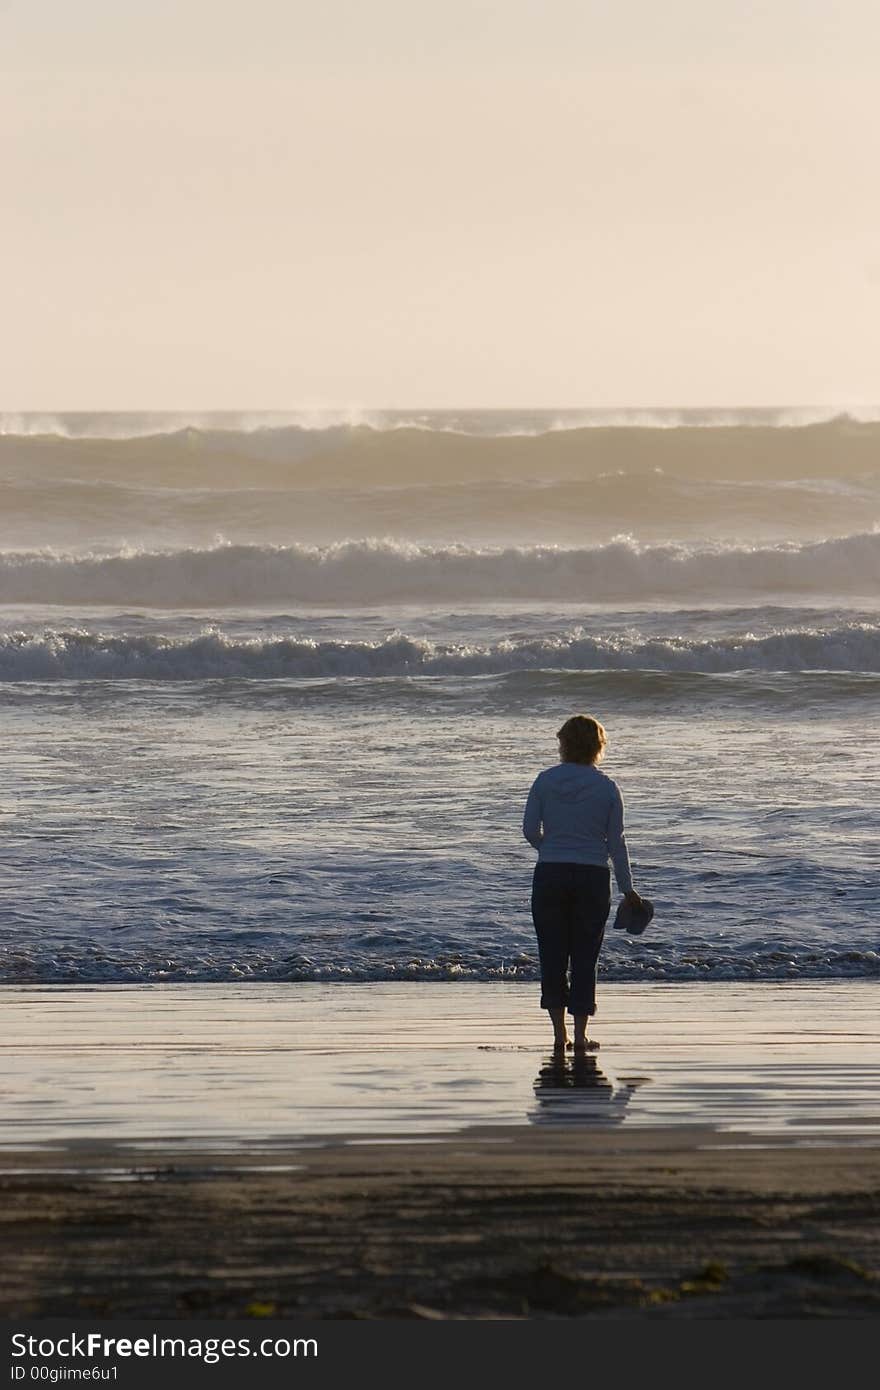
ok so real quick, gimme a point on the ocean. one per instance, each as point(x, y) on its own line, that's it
point(274, 688)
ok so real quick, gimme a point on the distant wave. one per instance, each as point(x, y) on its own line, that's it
point(407, 452)
point(84, 655)
point(371, 571)
point(120, 425)
point(654, 504)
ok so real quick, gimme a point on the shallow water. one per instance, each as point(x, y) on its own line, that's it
point(230, 1065)
point(293, 830)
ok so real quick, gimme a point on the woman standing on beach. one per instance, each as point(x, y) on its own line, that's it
point(574, 819)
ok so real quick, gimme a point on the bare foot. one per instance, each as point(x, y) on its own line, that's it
point(583, 1045)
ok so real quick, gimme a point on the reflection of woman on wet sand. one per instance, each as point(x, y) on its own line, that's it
point(574, 819)
point(577, 1092)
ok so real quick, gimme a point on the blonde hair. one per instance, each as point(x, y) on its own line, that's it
point(582, 739)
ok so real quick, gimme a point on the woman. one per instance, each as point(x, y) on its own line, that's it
point(574, 819)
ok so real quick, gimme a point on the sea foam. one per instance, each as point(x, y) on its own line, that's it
point(359, 572)
point(80, 654)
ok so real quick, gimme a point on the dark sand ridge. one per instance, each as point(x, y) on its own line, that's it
point(412, 1150)
point(656, 1223)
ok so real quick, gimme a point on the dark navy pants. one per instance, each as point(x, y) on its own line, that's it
point(570, 906)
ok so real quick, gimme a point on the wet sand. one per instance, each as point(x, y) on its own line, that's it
point(512, 1223)
point(414, 1151)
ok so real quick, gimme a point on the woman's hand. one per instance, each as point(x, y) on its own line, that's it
point(633, 898)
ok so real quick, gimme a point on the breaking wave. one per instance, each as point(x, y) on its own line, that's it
point(121, 425)
point(372, 572)
point(83, 655)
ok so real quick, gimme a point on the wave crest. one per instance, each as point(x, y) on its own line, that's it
point(81, 655)
point(410, 451)
point(375, 572)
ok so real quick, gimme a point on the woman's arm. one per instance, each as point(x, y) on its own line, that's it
point(617, 847)
point(532, 818)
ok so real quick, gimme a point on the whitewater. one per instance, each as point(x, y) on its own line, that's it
point(274, 687)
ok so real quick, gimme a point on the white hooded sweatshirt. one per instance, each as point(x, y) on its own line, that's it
point(574, 815)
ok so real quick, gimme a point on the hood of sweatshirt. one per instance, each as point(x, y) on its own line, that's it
point(573, 783)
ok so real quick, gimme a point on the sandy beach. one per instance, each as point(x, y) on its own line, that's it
point(415, 1151)
point(657, 1223)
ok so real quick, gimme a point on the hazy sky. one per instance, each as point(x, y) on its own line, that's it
point(272, 203)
